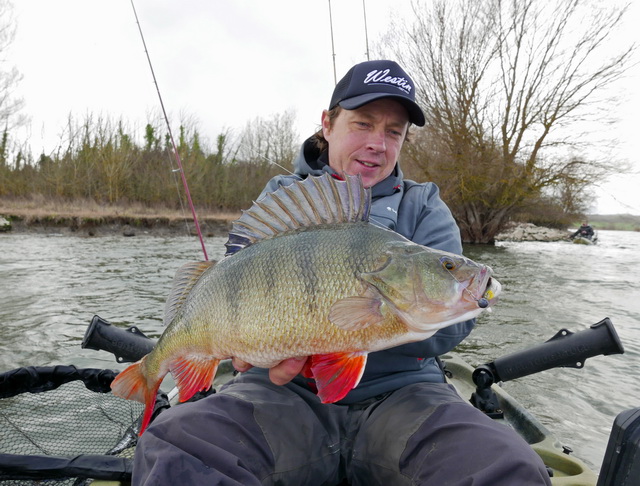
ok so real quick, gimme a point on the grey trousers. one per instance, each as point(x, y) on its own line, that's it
point(257, 433)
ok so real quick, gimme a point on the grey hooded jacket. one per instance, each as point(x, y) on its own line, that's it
point(416, 212)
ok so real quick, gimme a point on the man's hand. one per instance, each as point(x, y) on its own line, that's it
point(280, 374)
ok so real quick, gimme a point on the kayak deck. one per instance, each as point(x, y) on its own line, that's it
point(567, 470)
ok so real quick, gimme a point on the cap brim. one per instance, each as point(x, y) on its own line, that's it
point(416, 116)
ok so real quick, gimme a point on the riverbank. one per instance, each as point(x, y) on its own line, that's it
point(122, 225)
point(111, 221)
point(90, 219)
point(129, 225)
point(531, 232)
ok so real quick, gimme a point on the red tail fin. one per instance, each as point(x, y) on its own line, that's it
point(132, 384)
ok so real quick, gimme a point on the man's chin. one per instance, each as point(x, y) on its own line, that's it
point(369, 177)
point(370, 181)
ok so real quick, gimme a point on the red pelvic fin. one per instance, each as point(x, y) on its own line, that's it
point(307, 372)
point(193, 374)
point(132, 384)
point(336, 374)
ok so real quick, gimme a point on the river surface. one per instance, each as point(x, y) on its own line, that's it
point(51, 287)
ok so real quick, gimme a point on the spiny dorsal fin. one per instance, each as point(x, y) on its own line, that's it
point(183, 281)
point(310, 202)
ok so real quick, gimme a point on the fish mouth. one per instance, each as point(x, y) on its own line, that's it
point(486, 291)
point(490, 295)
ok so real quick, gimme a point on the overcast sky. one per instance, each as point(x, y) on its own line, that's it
point(221, 64)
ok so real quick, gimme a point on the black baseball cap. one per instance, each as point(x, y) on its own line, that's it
point(372, 80)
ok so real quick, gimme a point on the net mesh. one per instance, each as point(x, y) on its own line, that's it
point(67, 421)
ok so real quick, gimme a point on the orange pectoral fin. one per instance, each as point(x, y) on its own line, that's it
point(193, 374)
point(336, 374)
point(355, 313)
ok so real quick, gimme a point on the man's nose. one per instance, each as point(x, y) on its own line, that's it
point(377, 140)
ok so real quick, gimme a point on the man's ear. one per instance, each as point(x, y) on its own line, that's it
point(326, 123)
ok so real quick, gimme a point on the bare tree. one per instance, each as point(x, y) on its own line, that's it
point(10, 104)
point(273, 140)
point(506, 86)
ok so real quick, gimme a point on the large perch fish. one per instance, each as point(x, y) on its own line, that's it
point(306, 274)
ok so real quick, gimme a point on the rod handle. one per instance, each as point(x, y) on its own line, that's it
point(126, 344)
point(564, 350)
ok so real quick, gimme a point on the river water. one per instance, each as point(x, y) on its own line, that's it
point(51, 286)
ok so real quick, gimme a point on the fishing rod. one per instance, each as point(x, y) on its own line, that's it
point(366, 34)
point(333, 50)
point(173, 143)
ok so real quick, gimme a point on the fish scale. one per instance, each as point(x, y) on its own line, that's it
point(325, 284)
point(303, 302)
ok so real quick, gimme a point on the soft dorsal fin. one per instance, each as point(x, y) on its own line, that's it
point(310, 202)
point(183, 281)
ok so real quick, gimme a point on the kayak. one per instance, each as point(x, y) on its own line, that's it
point(585, 240)
point(480, 385)
point(566, 469)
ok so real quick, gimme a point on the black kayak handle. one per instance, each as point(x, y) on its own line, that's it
point(564, 350)
point(126, 344)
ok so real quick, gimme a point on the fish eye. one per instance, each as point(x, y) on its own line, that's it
point(448, 264)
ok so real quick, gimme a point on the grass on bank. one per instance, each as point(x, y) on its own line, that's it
point(40, 208)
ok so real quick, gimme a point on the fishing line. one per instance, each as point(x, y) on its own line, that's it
point(173, 143)
point(628, 207)
point(276, 164)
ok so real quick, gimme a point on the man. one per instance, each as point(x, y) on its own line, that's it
point(585, 230)
point(402, 424)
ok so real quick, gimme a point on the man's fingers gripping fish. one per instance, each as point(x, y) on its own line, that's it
point(306, 274)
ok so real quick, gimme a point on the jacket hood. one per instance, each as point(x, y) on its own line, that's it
point(310, 161)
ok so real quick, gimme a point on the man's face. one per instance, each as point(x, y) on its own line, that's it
point(367, 140)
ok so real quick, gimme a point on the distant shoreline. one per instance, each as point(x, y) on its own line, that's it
point(106, 223)
point(124, 227)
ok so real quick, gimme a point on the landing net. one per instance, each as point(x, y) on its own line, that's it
point(61, 425)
